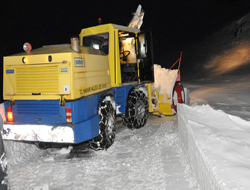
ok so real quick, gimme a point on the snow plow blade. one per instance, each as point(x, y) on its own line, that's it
point(158, 104)
point(167, 91)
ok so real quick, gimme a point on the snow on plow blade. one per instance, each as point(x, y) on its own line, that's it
point(38, 133)
point(166, 91)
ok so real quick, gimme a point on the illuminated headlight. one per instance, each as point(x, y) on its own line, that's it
point(27, 47)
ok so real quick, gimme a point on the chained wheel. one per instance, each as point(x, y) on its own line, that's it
point(178, 95)
point(136, 113)
point(107, 127)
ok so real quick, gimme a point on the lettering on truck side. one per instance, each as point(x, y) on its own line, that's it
point(63, 70)
point(9, 71)
point(93, 88)
point(79, 62)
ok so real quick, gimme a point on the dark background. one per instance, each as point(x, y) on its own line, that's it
point(176, 25)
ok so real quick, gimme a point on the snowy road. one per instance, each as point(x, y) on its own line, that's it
point(148, 158)
point(230, 95)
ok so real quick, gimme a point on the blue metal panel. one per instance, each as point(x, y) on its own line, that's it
point(121, 94)
point(83, 109)
point(35, 111)
point(86, 130)
point(85, 119)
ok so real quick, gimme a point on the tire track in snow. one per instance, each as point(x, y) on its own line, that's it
point(146, 158)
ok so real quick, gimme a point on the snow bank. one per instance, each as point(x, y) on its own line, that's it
point(217, 145)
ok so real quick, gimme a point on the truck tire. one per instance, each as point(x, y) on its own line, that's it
point(107, 127)
point(178, 95)
point(136, 113)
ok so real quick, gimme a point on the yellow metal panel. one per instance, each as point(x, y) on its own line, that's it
point(113, 57)
point(9, 82)
point(64, 86)
point(57, 54)
point(37, 79)
point(92, 77)
point(165, 107)
point(149, 89)
point(118, 79)
point(159, 104)
point(41, 79)
point(113, 45)
point(37, 76)
point(114, 52)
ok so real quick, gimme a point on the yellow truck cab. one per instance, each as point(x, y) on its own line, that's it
point(71, 93)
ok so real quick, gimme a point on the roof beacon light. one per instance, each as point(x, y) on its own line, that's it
point(27, 47)
point(99, 20)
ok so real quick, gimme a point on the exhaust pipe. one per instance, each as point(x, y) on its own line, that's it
point(75, 44)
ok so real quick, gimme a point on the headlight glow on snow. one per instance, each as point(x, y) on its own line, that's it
point(230, 60)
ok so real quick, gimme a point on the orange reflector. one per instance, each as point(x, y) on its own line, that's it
point(68, 115)
point(9, 114)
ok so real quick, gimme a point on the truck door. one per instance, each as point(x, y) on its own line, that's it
point(145, 56)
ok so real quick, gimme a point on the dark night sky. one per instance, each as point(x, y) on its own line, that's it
point(176, 24)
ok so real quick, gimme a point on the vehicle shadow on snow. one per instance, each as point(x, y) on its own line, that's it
point(125, 135)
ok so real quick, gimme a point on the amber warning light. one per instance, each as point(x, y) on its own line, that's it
point(9, 114)
point(99, 20)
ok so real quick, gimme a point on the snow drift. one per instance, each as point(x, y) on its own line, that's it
point(164, 80)
point(217, 146)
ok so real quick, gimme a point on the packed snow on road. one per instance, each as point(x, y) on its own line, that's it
point(205, 146)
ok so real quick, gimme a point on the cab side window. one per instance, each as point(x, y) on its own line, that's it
point(99, 41)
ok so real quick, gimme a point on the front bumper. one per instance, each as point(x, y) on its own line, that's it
point(38, 133)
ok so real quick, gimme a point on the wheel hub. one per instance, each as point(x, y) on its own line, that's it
point(140, 109)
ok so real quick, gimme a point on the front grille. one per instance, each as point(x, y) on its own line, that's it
point(37, 79)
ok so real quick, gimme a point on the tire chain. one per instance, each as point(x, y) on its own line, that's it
point(98, 143)
point(129, 118)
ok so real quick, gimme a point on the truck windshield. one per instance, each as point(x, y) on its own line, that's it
point(98, 41)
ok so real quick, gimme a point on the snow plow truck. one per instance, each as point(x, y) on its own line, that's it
point(72, 93)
